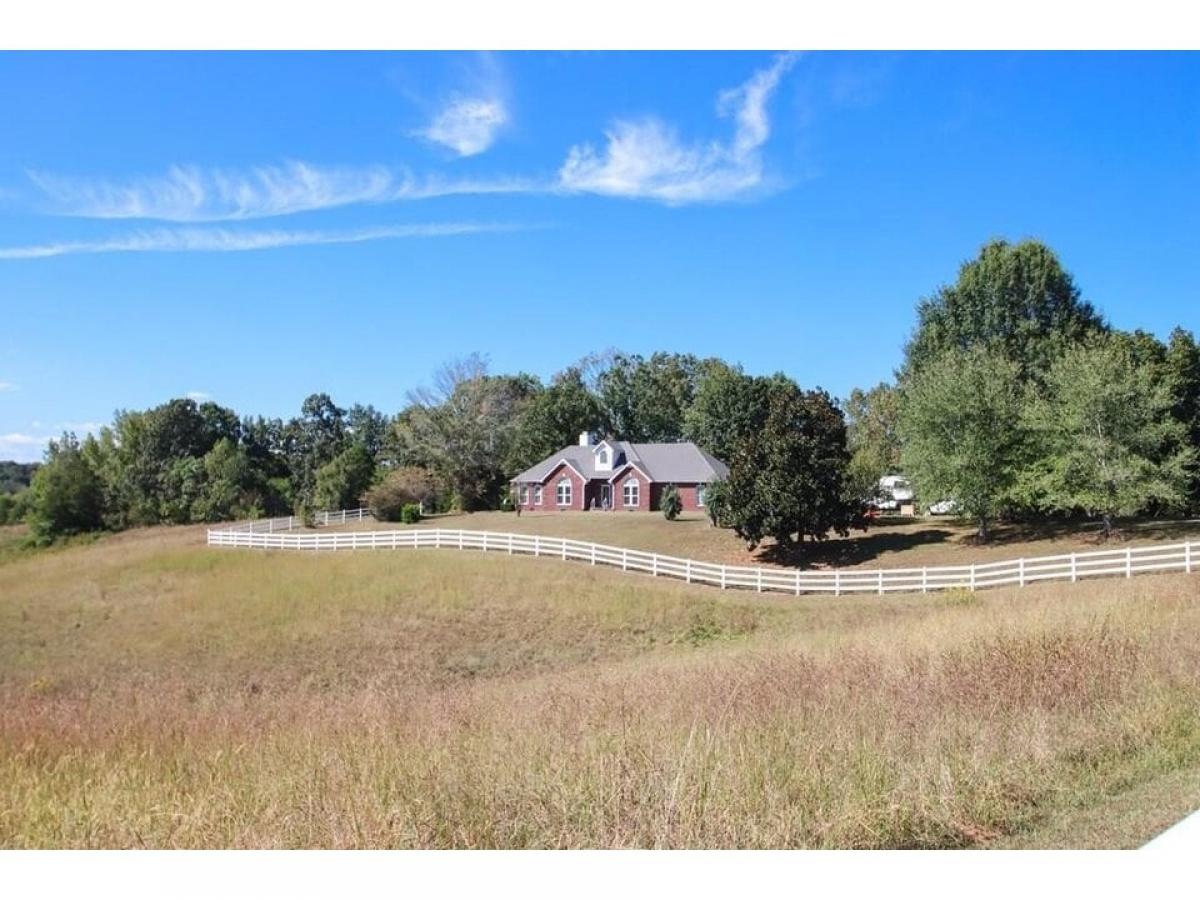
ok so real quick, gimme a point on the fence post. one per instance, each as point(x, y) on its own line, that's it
point(1074, 569)
point(758, 574)
point(1128, 562)
point(881, 581)
point(510, 543)
point(654, 565)
point(722, 576)
point(837, 582)
point(537, 545)
point(1021, 572)
point(564, 548)
point(687, 570)
point(624, 560)
point(593, 554)
point(797, 582)
point(924, 579)
point(1187, 557)
point(460, 539)
point(972, 576)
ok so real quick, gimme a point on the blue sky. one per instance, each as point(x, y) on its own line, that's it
point(256, 227)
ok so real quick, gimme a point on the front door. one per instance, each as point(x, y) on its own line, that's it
point(606, 496)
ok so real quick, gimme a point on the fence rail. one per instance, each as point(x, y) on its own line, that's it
point(280, 534)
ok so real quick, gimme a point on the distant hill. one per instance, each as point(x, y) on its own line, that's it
point(15, 476)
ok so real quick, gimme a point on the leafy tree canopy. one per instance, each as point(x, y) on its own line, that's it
point(961, 429)
point(1015, 298)
point(1107, 442)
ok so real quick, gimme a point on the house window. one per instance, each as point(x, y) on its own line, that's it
point(562, 493)
point(523, 493)
point(603, 457)
point(537, 495)
point(630, 491)
point(700, 494)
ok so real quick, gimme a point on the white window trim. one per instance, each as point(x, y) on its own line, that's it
point(629, 482)
point(700, 495)
point(537, 495)
point(523, 495)
point(563, 482)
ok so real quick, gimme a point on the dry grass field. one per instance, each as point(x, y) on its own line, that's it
point(156, 693)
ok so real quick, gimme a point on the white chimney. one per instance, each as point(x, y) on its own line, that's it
point(585, 439)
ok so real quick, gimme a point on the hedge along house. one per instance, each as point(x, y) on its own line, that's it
point(611, 475)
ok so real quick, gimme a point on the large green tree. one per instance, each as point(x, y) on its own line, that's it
point(873, 437)
point(66, 496)
point(1182, 367)
point(552, 419)
point(729, 406)
point(1016, 299)
point(311, 441)
point(343, 480)
point(463, 428)
point(787, 481)
point(1107, 441)
point(961, 430)
point(646, 400)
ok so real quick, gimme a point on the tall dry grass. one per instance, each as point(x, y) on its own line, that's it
point(157, 694)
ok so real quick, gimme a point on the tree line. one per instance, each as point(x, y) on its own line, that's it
point(1015, 398)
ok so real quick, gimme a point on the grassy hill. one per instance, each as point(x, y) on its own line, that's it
point(154, 692)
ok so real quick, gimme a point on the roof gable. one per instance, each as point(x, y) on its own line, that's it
point(681, 462)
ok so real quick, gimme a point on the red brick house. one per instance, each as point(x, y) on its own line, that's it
point(610, 475)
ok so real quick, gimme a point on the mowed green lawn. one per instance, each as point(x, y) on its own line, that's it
point(898, 542)
point(157, 693)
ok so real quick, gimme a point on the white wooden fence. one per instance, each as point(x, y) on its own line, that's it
point(277, 534)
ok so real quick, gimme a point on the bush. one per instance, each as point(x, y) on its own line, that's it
point(399, 488)
point(13, 507)
point(410, 513)
point(715, 501)
point(672, 506)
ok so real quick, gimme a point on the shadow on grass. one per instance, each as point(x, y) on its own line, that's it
point(859, 548)
point(853, 550)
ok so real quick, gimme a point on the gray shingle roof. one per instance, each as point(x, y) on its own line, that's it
point(682, 462)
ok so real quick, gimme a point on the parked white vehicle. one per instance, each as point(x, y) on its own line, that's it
point(943, 508)
point(893, 491)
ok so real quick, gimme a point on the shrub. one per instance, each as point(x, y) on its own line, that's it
point(672, 506)
point(399, 488)
point(716, 497)
point(13, 507)
point(410, 513)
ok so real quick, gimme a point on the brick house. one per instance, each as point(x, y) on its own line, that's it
point(613, 474)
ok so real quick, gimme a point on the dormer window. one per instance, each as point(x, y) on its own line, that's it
point(605, 456)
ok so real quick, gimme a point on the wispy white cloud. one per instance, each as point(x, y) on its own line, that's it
point(470, 118)
point(198, 396)
point(467, 125)
point(31, 447)
point(7, 387)
point(646, 158)
point(223, 240)
point(22, 447)
point(195, 194)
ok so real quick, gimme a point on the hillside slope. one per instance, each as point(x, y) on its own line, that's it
point(154, 692)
